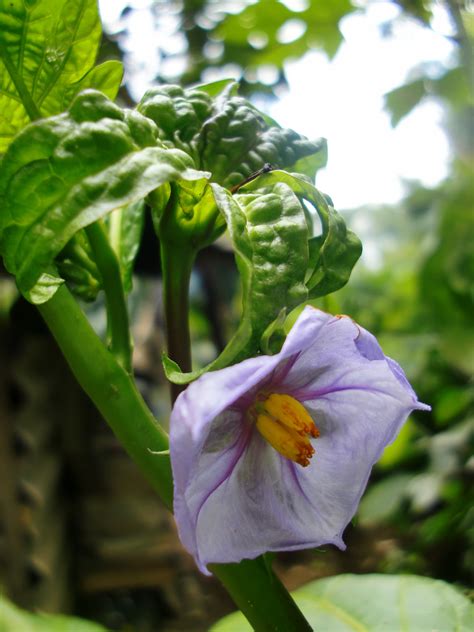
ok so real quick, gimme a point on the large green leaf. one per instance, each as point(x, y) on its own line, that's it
point(376, 603)
point(225, 134)
point(66, 172)
point(13, 619)
point(47, 50)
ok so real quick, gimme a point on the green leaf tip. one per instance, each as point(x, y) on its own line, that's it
point(47, 53)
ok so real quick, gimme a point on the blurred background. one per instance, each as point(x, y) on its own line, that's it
point(390, 85)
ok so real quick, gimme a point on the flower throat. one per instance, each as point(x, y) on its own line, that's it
point(287, 426)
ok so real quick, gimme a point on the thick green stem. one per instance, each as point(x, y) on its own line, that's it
point(177, 263)
point(111, 389)
point(261, 596)
point(117, 314)
point(254, 588)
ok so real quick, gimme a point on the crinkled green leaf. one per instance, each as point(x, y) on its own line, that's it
point(333, 254)
point(125, 227)
point(191, 217)
point(64, 173)
point(269, 234)
point(227, 135)
point(280, 264)
point(376, 603)
point(47, 47)
point(13, 619)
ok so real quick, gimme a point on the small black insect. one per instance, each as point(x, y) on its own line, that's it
point(265, 169)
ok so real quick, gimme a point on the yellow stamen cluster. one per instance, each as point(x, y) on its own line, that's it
point(287, 426)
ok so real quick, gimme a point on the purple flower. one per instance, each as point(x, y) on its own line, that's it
point(274, 453)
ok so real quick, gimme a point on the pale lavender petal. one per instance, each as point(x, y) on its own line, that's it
point(260, 507)
point(370, 348)
point(235, 496)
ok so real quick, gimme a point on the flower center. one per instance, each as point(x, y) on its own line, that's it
point(287, 426)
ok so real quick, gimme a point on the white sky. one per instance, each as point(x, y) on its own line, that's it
point(340, 99)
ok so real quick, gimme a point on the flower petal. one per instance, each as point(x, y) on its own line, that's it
point(235, 496)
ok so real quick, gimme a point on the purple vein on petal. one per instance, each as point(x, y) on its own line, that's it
point(244, 439)
point(292, 467)
point(282, 370)
point(304, 395)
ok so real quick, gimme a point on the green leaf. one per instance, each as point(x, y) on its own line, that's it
point(280, 267)
point(269, 233)
point(75, 264)
point(451, 402)
point(267, 18)
point(106, 77)
point(376, 603)
point(47, 48)
point(66, 172)
point(227, 135)
point(402, 100)
point(13, 619)
point(383, 499)
point(125, 227)
point(333, 254)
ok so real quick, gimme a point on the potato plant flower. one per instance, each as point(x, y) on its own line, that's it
point(275, 452)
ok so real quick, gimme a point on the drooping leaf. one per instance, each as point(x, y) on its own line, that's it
point(269, 234)
point(333, 254)
point(125, 227)
point(13, 619)
point(47, 49)
point(376, 603)
point(64, 173)
point(225, 134)
point(280, 264)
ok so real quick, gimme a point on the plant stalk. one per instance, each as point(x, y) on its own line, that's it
point(177, 262)
point(111, 388)
point(117, 314)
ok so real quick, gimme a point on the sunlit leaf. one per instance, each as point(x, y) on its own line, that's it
point(47, 49)
point(376, 603)
point(315, 26)
point(66, 172)
point(227, 135)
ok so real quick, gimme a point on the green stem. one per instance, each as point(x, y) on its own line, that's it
point(177, 262)
point(261, 596)
point(111, 389)
point(25, 96)
point(117, 314)
point(254, 588)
